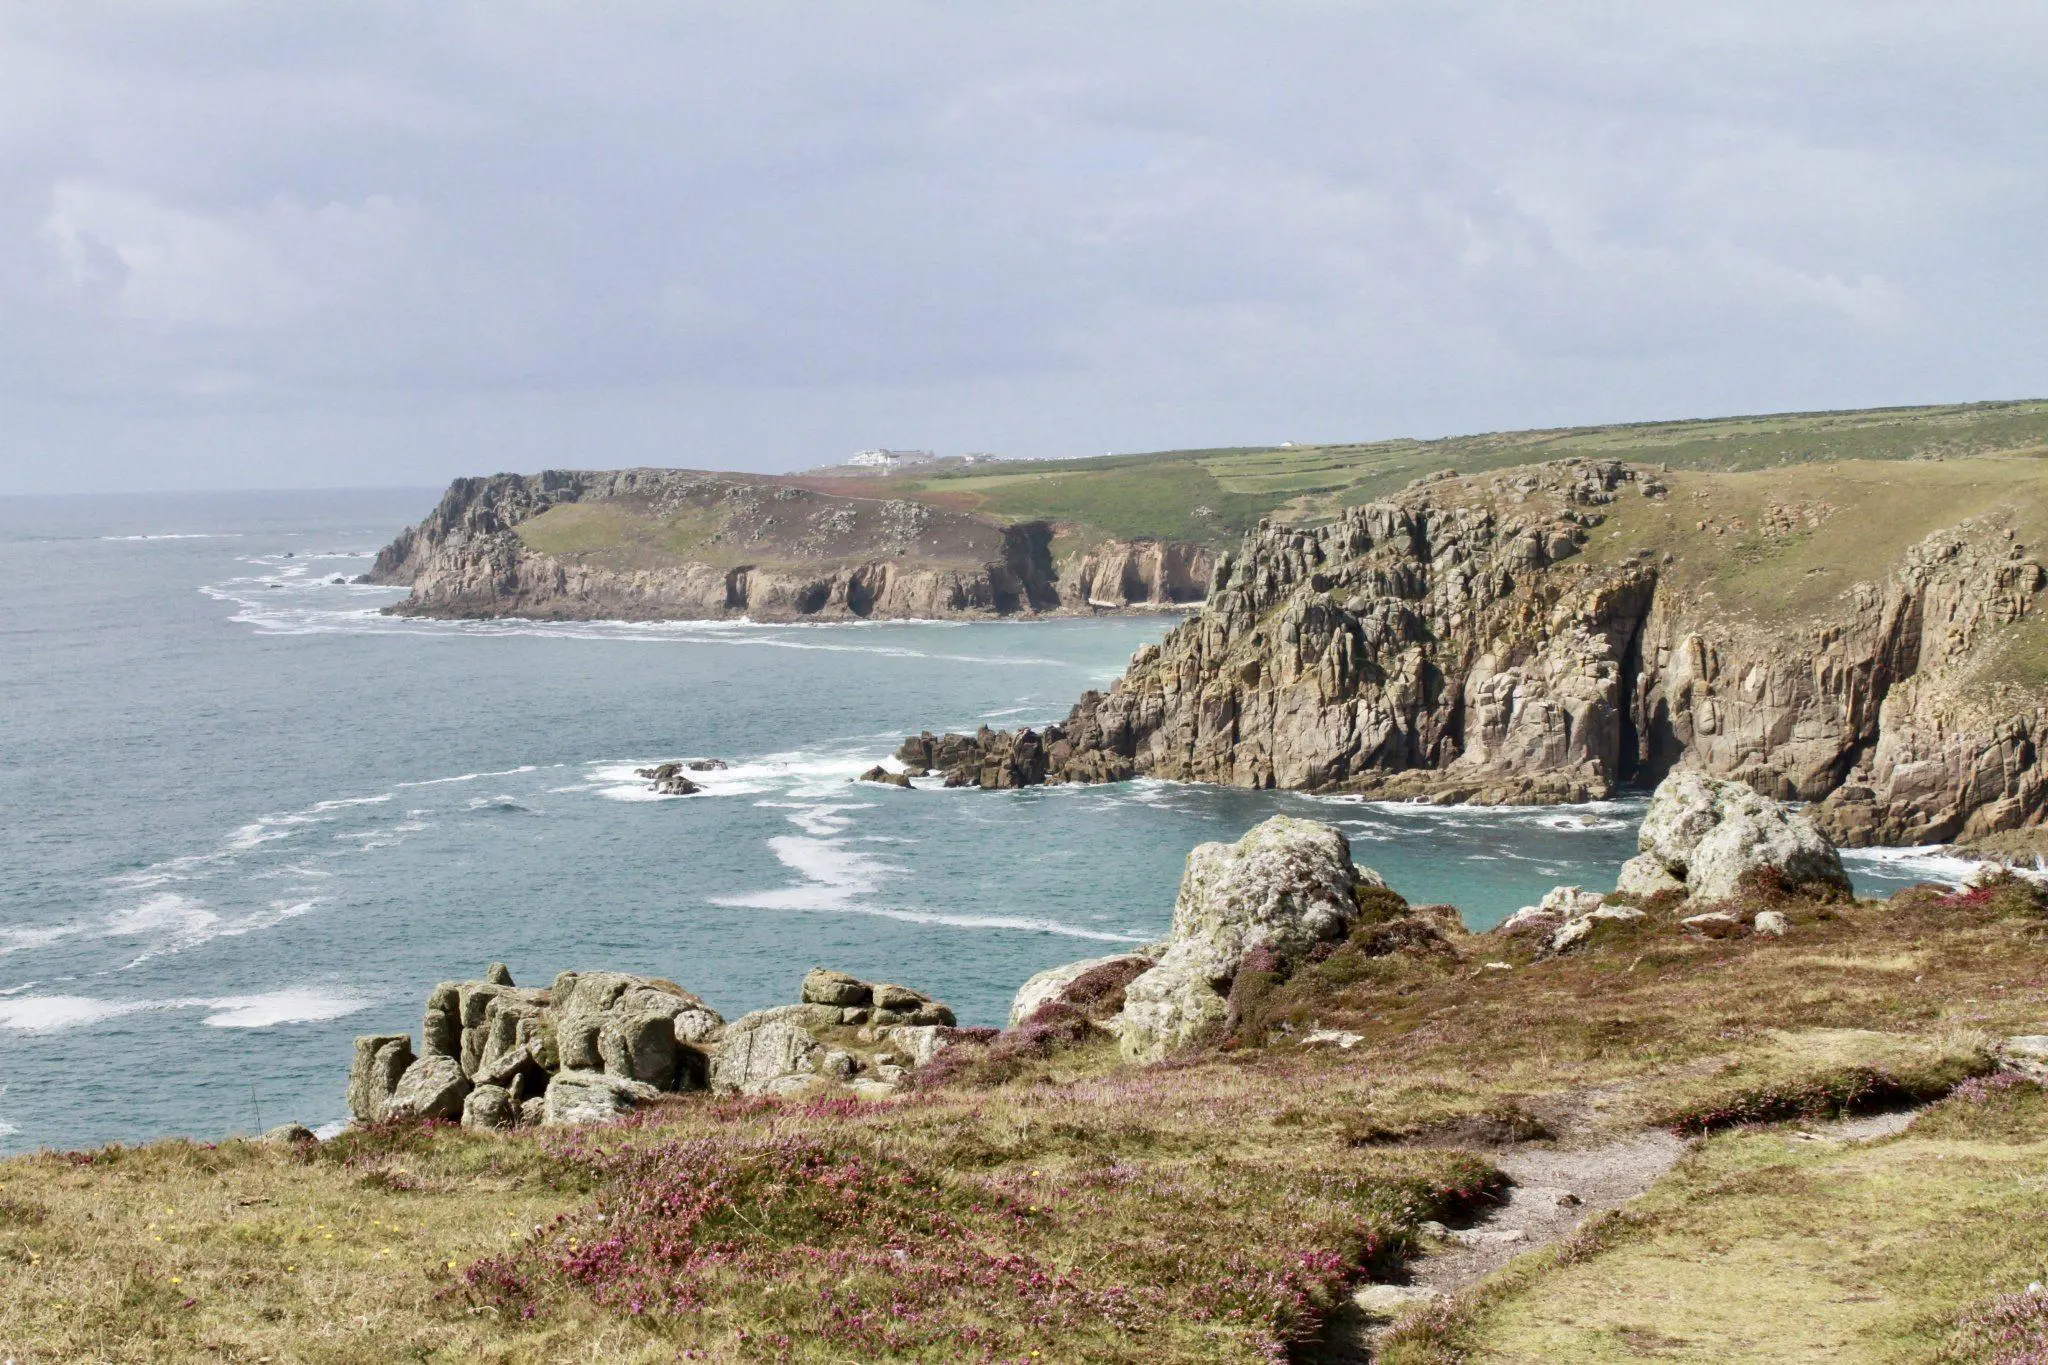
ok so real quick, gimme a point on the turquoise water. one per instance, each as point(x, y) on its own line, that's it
point(247, 818)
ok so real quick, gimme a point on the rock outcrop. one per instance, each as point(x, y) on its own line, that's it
point(1458, 644)
point(1095, 986)
point(1712, 839)
point(675, 544)
point(863, 1035)
point(1283, 888)
point(493, 1054)
point(594, 1046)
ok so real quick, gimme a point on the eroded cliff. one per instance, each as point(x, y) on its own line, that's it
point(665, 544)
point(1555, 632)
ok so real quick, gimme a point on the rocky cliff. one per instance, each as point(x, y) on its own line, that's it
point(659, 544)
point(1483, 640)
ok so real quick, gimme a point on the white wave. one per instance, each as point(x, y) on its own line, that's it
point(327, 1132)
point(181, 535)
point(53, 1013)
point(179, 923)
point(471, 777)
point(50, 1013)
point(15, 938)
point(283, 615)
point(832, 874)
point(17, 990)
point(7, 1129)
point(294, 1006)
point(1925, 862)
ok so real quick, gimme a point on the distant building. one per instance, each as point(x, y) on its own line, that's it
point(889, 459)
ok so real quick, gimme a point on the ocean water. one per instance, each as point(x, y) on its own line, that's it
point(244, 818)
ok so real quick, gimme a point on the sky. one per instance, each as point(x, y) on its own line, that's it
point(377, 244)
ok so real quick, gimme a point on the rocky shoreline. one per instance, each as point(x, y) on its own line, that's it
point(596, 1046)
point(1458, 645)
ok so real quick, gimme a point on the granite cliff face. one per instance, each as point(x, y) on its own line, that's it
point(658, 544)
point(1459, 644)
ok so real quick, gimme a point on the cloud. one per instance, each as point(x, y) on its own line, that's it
point(292, 245)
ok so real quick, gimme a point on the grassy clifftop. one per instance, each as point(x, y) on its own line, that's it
point(1218, 494)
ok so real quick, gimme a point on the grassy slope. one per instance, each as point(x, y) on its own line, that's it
point(1162, 494)
point(1064, 1205)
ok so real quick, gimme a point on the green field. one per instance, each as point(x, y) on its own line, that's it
point(1218, 494)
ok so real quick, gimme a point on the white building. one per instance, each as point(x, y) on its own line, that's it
point(889, 459)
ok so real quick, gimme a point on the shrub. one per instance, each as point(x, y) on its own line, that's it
point(2002, 1107)
point(2011, 1329)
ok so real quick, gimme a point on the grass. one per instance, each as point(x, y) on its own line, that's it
point(1157, 494)
point(612, 536)
point(1766, 1245)
point(1045, 1198)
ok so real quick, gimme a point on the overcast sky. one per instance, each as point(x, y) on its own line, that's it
point(311, 245)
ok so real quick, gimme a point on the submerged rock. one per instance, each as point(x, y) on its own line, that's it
point(667, 779)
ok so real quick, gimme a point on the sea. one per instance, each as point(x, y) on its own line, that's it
point(245, 817)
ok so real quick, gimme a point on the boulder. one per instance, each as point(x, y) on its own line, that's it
point(516, 1035)
point(1643, 877)
point(1772, 923)
point(431, 1088)
point(291, 1134)
point(1286, 886)
point(533, 1112)
point(823, 986)
point(489, 1107)
point(1711, 835)
point(880, 774)
point(593, 1097)
point(498, 974)
point(381, 1060)
point(1578, 932)
point(1712, 924)
point(760, 1051)
point(1052, 984)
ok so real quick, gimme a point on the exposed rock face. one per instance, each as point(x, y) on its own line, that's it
point(1709, 835)
point(668, 779)
point(764, 549)
point(1286, 886)
point(1458, 645)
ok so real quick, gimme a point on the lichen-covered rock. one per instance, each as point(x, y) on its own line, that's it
point(593, 1097)
point(1584, 930)
point(1711, 835)
point(760, 1050)
point(641, 1028)
point(490, 1108)
point(380, 1061)
point(1052, 983)
point(1643, 877)
point(1286, 886)
point(1712, 924)
point(433, 1087)
point(291, 1135)
point(1772, 923)
point(823, 986)
point(441, 1032)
